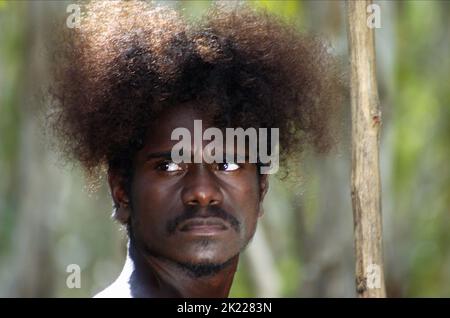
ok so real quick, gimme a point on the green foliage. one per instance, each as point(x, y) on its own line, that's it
point(422, 143)
point(289, 9)
point(12, 57)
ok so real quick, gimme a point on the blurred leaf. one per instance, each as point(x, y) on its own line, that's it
point(288, 9)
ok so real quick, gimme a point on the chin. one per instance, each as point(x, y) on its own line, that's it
point(210, 251)
point(205, 268)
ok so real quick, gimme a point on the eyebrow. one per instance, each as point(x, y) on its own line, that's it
point(238, 158)
point(168, 155)
point(160, 154)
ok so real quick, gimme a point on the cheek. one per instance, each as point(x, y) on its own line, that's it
point(152, 206)
point(149, 190)
point(245, 199)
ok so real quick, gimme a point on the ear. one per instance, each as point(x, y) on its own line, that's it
point(120, 198)
point(263, 187)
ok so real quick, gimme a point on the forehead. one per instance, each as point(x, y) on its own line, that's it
point(159, 136)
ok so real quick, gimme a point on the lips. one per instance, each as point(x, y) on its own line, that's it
point(208, 225)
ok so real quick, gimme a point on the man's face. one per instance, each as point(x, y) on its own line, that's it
point(191, 213)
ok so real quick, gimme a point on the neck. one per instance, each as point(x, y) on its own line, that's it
point(157, 277)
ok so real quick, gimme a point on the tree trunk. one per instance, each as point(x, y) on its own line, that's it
point(365, 177)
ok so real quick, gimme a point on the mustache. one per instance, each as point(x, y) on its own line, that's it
point(191, 212)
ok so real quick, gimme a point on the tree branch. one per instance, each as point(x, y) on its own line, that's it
point(365, 179)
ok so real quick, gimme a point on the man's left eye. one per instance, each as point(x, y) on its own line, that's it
point(228, 166)
point(169, 166)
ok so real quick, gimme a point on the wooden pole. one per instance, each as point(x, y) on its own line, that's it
point(365, 176)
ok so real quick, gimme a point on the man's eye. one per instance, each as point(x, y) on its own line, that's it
point(169, 166)
point(227, 166)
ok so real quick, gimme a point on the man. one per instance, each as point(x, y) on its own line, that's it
point(132, 74)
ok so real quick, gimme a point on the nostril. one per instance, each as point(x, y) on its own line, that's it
point(214, 202)
point(202, 195)
point(202, 202)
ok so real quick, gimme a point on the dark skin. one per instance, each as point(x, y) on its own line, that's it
point(186, 216)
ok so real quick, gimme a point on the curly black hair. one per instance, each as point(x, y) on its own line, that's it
point(130, 60)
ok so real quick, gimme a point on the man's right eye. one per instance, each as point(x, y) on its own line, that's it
point(169, 166)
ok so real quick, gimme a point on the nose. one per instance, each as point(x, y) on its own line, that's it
point(201, 187)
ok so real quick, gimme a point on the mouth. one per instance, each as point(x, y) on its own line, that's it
point(203, 226)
